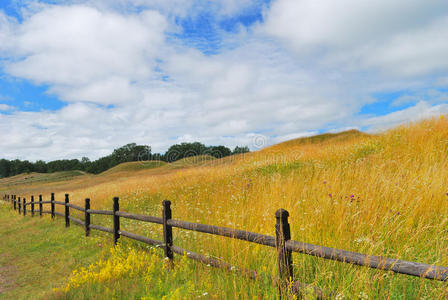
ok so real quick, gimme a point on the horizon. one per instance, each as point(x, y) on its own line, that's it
point(201, 154)
point(80, 78)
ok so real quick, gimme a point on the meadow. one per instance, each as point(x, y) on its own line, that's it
point(384, 194)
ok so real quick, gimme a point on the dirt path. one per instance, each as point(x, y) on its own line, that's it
point(6, 281)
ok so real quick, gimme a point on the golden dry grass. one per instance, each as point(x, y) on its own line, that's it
point(383, 194)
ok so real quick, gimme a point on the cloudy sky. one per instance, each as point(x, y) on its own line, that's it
point(82, 77)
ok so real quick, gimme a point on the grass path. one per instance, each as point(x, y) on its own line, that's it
point(37, 255)
point(6, 278)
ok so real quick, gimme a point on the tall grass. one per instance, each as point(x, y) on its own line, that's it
point(383, 194)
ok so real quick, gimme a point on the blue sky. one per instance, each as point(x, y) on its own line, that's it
point(83, 77)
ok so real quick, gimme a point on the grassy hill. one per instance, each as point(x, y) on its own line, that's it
point(325, 137)
point(40, 178)
point(383, 194)
point(135, 166)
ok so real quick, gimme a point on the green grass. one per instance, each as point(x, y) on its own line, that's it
point(136, 271)
point(38, 254)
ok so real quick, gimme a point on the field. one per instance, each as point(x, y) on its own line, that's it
point(383, 194)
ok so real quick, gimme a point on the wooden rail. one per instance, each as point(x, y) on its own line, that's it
point(374, 262)
point(143, 218)
point(282, 242)
point(100, 212)
point(76, 220)
point(76, 207)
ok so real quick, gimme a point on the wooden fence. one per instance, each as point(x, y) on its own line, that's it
point(282, 241)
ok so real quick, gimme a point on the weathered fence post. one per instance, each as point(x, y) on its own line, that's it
point(24, 206)
point(32, 206)
point(284, 257)
point(18, 202)
point(67, 212)
point(14, 202)
point(116, 208)
point(87, 216)
point(167, 229)
point(40, 205)
point(52, 205)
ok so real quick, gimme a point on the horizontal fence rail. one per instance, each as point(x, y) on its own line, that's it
point(101, 228)
point(224, 231)
point(100, 212)
point(374, 262)
point(282, 242)
point(76, 207)
point(143, 218)
point(76, 220)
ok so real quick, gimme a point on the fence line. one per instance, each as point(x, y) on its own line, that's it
point(282, 241)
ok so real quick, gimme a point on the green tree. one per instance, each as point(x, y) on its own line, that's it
point(239, 150)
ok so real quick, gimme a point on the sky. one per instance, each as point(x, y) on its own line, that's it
point(83, 77)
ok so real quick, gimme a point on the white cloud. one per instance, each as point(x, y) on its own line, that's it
point(5, 107)
point(312, 65)
point(292, 136)
point(400, 37)
point(86, 54)
point(442, 82)
point(432, 96)
point(348, 22)
point(421, 110)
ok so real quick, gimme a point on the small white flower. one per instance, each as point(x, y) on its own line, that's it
point(339, 296)
point(362, 240)
point(363, 295)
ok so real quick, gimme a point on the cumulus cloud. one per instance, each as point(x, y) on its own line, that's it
point(124, 78)
point(401, 37)
point(85, 54)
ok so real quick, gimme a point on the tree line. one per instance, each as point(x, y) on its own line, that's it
point(126, 153)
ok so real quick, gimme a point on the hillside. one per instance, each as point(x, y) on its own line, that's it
point(320, 138)
point(59, 180)
point(383, 194)
point(135, 166)
point(40, 178)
